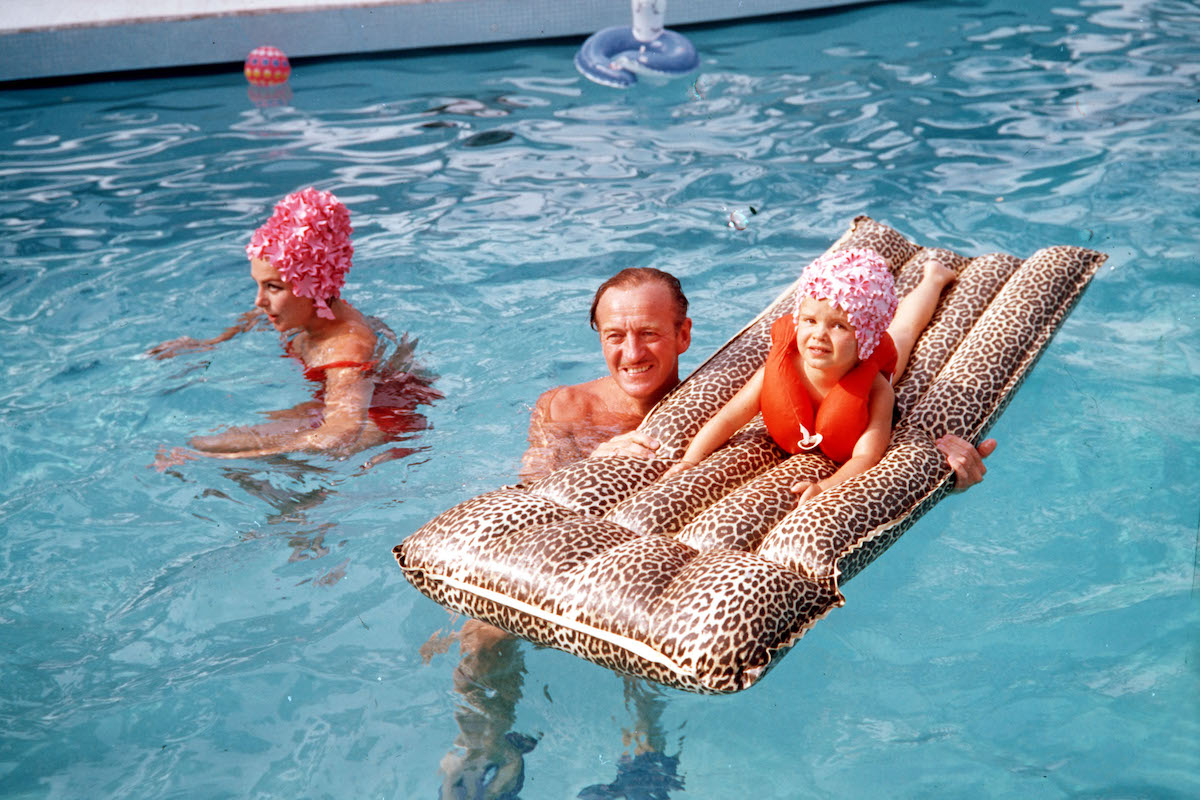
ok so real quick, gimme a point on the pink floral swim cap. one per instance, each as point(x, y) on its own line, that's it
point(859, 282)
point(308, 240)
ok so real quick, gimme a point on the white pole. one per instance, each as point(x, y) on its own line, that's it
point(648, 18)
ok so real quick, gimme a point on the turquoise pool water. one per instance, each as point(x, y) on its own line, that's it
point(229, 629)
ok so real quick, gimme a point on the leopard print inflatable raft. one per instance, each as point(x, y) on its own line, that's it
point(704, 580)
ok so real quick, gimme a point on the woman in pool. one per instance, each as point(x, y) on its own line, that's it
point(299, 260)
point(828, 378)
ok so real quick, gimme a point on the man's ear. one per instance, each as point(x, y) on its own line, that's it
point(683, 336)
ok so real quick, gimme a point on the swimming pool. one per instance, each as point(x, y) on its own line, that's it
point(241, 630)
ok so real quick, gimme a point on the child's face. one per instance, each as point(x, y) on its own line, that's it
point(285, 310)
point(825, 337)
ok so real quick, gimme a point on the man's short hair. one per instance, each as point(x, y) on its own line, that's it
point(636, 276)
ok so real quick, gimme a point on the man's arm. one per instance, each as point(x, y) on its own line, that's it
point(537, 461)
point(569, 424)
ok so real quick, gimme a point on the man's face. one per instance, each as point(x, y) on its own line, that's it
point(642, 338)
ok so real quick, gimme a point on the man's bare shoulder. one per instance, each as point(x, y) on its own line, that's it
point(573, 403)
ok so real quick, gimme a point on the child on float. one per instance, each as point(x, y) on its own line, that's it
point(827, 382)
point(298, 260)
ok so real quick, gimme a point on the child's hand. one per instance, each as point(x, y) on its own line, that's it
point(807, 490)
point(678, 467)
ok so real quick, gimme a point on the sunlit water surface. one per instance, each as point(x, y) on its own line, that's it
point(229, 629)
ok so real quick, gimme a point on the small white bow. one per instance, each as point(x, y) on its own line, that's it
point(808, 440)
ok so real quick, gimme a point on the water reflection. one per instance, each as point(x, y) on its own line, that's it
point(487, 761)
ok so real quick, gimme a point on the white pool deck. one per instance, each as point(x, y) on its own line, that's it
point(63, 38)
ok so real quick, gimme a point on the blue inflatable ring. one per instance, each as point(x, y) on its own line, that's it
point(611, 56)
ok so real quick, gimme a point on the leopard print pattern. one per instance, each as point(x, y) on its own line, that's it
point(668, 505)
point(1066, 270)
point(817, 534)
point(486, 521)
point(1006, 341)
point(742, 519)
point(978, 281)
point(594, 485)
point(704, 580)
point(964, 399)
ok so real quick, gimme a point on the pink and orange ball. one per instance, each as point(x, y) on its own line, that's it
point(267, 66)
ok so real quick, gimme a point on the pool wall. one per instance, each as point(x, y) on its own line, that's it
point(79, 38)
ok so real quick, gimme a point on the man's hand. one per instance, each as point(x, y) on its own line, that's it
point(634, 443)
point(965, 460)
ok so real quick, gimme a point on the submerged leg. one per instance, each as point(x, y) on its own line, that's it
point(649, 773)
point(488, 763)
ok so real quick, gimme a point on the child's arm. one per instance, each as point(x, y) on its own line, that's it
point(740, 409)
point(868, 449)
point(186, 344)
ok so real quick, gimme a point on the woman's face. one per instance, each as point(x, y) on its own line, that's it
point(285, 310)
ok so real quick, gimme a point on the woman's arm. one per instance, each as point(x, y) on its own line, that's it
point(740, 409)
point(869, 448)
point(186, 344)
point(348, 392)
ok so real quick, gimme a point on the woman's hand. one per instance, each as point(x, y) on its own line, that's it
point(166, 457)
point(184, 344)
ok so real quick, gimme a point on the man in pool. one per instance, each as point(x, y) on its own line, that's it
point(641, 316)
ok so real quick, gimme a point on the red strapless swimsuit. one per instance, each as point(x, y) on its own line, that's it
point(393, 405)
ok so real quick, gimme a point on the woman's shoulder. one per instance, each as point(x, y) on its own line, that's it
point(349, 340)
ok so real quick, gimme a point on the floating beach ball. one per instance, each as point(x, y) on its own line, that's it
point(267, 66)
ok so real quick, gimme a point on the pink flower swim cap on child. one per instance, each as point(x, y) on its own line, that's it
point(859, 282)
point(308, 240)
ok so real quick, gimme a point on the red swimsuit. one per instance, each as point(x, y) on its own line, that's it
point(840, 418)
point(395, 399)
